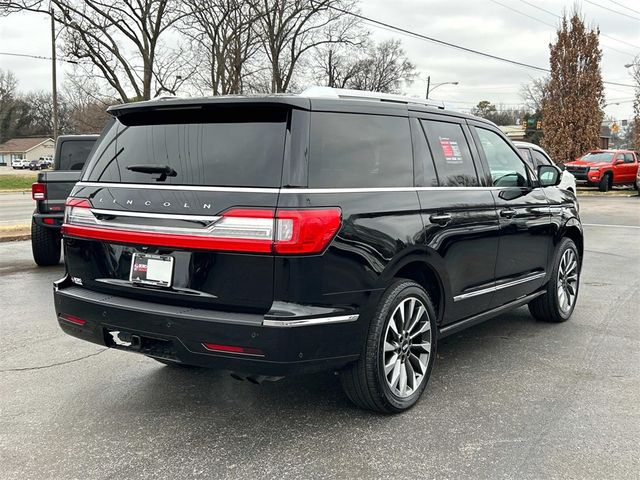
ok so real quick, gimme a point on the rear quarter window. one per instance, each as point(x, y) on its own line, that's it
point(451, 154)
point(74, 154)
point(359, 151)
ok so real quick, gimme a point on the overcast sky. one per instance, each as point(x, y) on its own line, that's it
point(479, 24)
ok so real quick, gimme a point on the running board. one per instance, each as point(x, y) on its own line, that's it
point(468, 322)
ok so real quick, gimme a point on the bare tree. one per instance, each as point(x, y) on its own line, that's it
point(532, 93)
point(335, 65)
point(291, 28)
point(384, 69)
point(121, 40)
point(225, 42)
point(8, 89)
point(87, 104)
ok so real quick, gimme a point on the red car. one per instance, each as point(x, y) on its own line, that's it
point(605, 168)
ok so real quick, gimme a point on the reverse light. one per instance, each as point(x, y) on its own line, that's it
point(39, 191)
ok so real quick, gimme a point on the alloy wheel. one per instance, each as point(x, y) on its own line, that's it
point(567, 284)
point(407, 347)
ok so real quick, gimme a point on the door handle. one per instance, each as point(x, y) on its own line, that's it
point(508, 213)
point(440, 219)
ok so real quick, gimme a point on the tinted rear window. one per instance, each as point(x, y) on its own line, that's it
point(359, 151)
point(74, 153)
point(223, 147)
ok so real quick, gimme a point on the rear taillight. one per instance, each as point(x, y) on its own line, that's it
point(39, 191)
point(283, 231)
point(305, 231)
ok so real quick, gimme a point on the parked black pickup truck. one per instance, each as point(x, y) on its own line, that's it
point(50, 193)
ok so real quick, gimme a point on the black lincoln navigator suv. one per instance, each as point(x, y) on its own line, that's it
point(334, 230)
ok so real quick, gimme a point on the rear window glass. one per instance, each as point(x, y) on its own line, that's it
point(359, 151)
point(74, 153)
point(451, 154)
point(220, 147)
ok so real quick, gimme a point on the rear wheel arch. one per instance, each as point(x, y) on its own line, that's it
point(426, 275)
point(573, 231)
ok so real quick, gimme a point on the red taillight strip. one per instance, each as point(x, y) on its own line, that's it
point(78, 202)
point(194, 242)
point(72, 318)
point(214, 347)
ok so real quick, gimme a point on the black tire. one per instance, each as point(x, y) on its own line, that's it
point(605, 183)
point(45, 245)
point(365, 382)
point(547, 307)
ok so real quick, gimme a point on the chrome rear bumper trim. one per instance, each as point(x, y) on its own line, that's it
point(309, 321)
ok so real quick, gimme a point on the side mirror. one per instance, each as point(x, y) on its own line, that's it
point(549, 176)
point(618, 162)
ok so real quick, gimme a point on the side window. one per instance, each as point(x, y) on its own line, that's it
point(526, 154)
point(507, 169)
point(628, 158)
point(422, 154)
point(353, 151)
point(619, 157)
point(451, 154)
point(540, 159)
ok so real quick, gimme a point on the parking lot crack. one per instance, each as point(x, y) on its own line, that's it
point(57, 364)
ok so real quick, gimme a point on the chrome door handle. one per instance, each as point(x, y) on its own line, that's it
point(508, 213)
point(440, 219)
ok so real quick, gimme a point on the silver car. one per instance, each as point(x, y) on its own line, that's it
point(535, 156)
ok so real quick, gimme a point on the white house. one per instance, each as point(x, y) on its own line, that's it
point(26, 149)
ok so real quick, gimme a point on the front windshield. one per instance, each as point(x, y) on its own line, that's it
point(598, 157)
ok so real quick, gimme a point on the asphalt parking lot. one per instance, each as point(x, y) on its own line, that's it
point(511, 398)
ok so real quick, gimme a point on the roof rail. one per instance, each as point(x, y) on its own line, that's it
point(317, 91)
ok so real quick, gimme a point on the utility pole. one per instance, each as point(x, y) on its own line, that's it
point(428, 85)
point(54, 91)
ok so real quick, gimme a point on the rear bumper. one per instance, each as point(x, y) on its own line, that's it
point(49, 220)
point(180, 334)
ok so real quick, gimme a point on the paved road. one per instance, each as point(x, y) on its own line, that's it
point(16, 208)
point(511, 398)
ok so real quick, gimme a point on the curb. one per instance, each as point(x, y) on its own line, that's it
point(15, 238)
point(22, 190)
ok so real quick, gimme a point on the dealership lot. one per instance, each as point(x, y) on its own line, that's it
point(511, 398)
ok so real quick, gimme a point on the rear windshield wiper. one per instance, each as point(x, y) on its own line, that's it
point(164, 170)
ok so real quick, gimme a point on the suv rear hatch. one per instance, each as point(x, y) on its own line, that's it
point(177, 206)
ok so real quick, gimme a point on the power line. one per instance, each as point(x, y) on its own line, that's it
point(435, 40)
point(451, 45)
point(624, 6)
point(39, 57)
point(533, 5)
point(553, 26)
point(612, 10)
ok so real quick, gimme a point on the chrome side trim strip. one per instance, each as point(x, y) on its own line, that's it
point(309, 321)
point(481, 317)
point(382, 189)
point(188, 188)
point(167, 216)
point(495, 288)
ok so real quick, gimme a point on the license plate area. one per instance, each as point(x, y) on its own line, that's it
point(148, 269)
